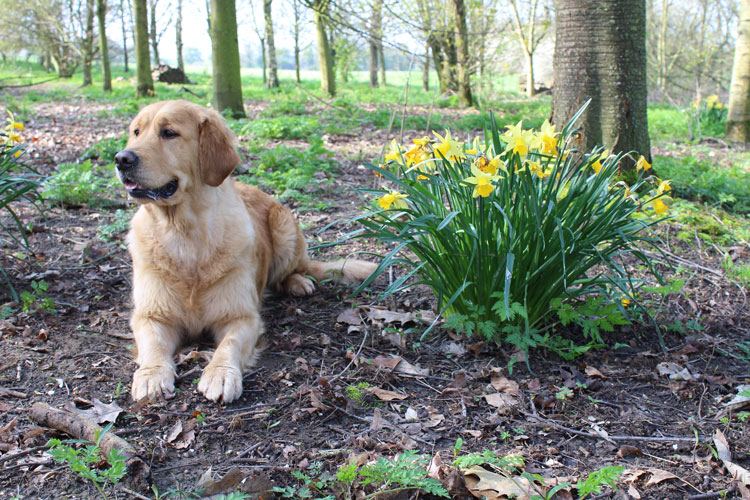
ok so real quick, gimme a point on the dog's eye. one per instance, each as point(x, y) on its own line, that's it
point(168, 133)
point(136, 132)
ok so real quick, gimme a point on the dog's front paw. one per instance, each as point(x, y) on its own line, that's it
point(221, 382)
point(298, 285)
point(153, 382)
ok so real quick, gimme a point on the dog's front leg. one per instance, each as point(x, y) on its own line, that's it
point(237, 339)
point(156, 344)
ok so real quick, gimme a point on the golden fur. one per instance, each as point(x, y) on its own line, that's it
point(203, 253)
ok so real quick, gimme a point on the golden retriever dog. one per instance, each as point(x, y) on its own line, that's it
point(204, 247)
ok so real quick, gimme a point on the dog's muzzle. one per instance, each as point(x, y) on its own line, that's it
point(126, 161)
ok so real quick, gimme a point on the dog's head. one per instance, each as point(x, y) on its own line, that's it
point(175, 148)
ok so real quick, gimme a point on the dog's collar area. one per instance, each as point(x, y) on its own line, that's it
point(155, 194)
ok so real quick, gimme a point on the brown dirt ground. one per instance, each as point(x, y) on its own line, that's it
point(296, 414)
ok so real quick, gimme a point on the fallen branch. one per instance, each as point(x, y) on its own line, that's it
point(666, 439)
point(80, 427)
point(30, 84)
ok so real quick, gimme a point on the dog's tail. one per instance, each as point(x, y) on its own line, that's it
point(344, 270)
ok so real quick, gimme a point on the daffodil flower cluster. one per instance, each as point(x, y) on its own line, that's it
point(11, 136)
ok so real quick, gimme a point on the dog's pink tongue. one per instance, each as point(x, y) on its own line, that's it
point(130, 185)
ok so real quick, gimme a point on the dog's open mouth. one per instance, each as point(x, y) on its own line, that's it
point(137, 191)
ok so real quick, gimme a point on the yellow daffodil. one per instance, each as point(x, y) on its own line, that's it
point(659, 206)
point(545, 141)
point(663, 187)
point(474, 149)
point(713, 101)
point(536, 168)
point(597, 165)
point(393, 198)
point(517, 139)
point(417, 154)
point(422, 141)
point(14, 137)
point(490, 166)
point(482, 182)
point(447, 147)
point(625, 302)
point(395, 154)
point(642, 164)
point(17, 125)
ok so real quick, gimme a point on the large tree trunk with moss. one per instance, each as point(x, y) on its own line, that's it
point(101, 13)
point(462, 49)
point(600, 54)
point(374, 39)
point(153, 34)
point(738, 120)
point(273, 73)
point(145, 84)
point(87, 43)
point(226, 58)
point(325, 56)
point(178, 37)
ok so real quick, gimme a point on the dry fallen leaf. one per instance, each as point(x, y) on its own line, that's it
point(211, 486)
point(182, 435)
point(389, 317)
point(594, 373)
point(385, 395)
point(737, 472)
point(492, 486)
point(675, 371)
point(502, 401)
point(100, 413)
point(657, 476)
point(503, 384)
point(349, 317)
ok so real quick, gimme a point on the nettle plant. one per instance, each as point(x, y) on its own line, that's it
point(517, 233)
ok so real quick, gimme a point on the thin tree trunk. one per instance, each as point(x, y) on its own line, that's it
point(124, 33)
point(462, 47)
point(600, 54)
point(439, 63)
point(375, 22)
point(225, 55)
point(263, 59)
point(88, 44)
point(738, 121)
point(178, 37)
point(381, 56)
point(153, 34)
point(327, 73)
point(145, 84)
point(426, 69)
point(273, 76)
point(101, 13)
point(296, 7)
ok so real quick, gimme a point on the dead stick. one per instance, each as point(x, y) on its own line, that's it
point(80, 427)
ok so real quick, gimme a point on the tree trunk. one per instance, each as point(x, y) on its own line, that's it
point(530, 90)
point(327, 73)
point(153, 35)
point(438, 62)
point(101, 13)
point(145, 84)
point(296, 7)
point(462, 48)
point(263, 59)
point(124, 33)
point(178, 37)
point(738, 120)
point(600, 54)
point(375, 22)
point(273, 74)
point(225, 55)
point(87, 45)
point(426, 69)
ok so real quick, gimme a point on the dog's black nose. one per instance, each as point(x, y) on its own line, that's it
point(126, 160)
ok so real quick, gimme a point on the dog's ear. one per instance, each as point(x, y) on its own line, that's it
point(218, 155)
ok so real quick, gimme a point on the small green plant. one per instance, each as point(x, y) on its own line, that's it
point(310, 485)
point(118, 225)
point(739, 272)
point(594, 482)
point(36, 299)
point(564, 393)
point(470, 213)
point(405, 472)
point(357, 392)
point(278, 127)
point(80, 184)
point(106, 149)
point(82, 460)
point(743, 416)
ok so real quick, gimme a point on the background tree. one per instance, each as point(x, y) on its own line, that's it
point(144, 82)
point(225, 57)
point(325, 56)
point(124, 14)
point(738, 121)
point(462, 48)
point(600, 54)
point(178, 36)
point(374, 41)
point(88, 42)
point(101, 14)
point(529, 38)
point(273, 77)
point(153, 33)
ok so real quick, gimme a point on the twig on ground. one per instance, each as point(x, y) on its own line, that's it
point(21, 454)
point(666, 439)
point(80, 427)
point(133, 493)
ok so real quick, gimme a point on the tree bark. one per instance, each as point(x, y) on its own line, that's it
point(225, 55)
point(273, 74)
point(375, 22)
point(296, 28)
point(426, 69)
point(327, 73)
point(178, 37)
point(87, 44)
point(600, 54)
point(153, 34)
point(145, 84)
point(738, 120)
point(462, 49)
point(381, 56)
point(101, 13)
point(124, 34)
